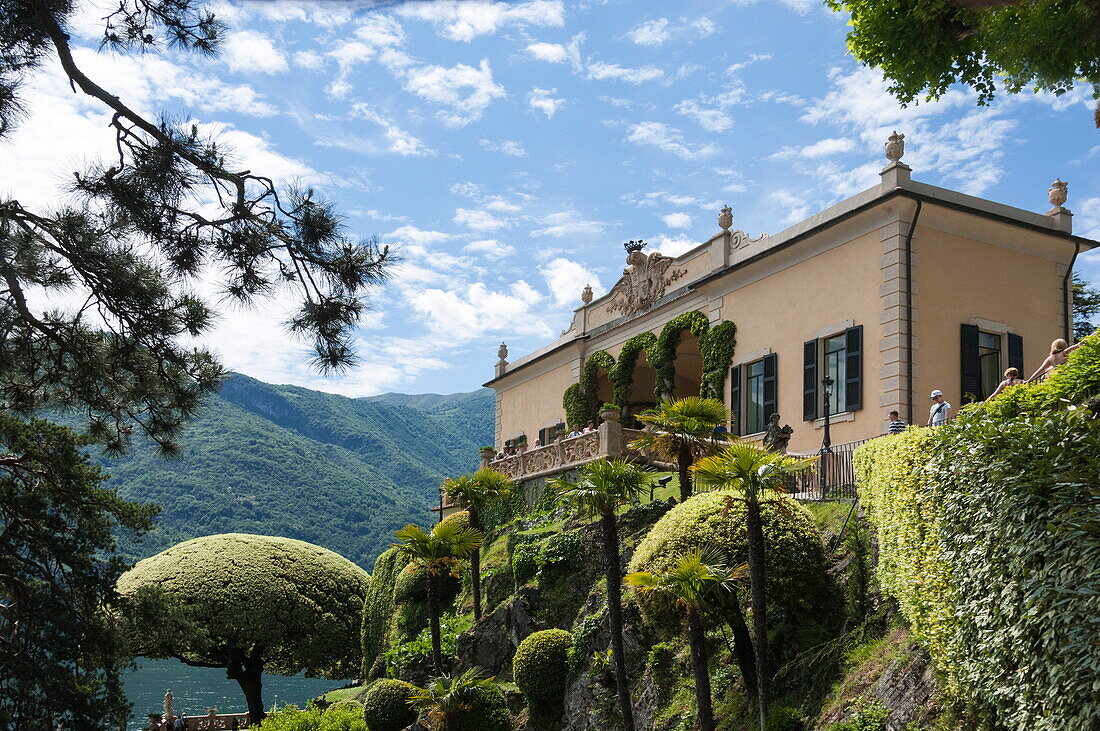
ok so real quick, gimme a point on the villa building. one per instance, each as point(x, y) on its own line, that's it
point(900, 289)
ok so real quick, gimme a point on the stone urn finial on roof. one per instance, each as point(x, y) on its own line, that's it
point(725, 218)
point(502, 353)
point(895, 147)
point(586, 294)
point(1057, 193)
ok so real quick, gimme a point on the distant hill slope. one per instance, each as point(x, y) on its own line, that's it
point(282, 460)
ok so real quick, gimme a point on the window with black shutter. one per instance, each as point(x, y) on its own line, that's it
point(970, 382)
point(853, 376)
point(770, 393)
point(1016, 353)
point(809, 380)
point(735, 400)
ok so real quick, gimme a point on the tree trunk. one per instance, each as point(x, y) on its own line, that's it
point(683, 462)
point(742, 645)
point(615, 614)
point(475, 565)
point(698, 639)
point(247, 670)
point(433, 623)
point(755, 530)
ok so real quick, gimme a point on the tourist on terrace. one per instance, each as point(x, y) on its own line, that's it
point(590, 427)
point(574, 433)
point(1012, 378)
point(940, 411)
point(538, 443)
point(897, 426)
point(180, 723)
point(1059, 350)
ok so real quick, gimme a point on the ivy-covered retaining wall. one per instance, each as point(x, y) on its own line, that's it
point(989, 539)
point(716, 345)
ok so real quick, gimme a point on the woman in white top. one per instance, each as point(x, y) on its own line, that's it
point(1012, 378)
point(1059, 350)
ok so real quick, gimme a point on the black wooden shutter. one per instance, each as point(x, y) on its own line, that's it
point(853, 368)
point(1016, 353)
point(809, 380)
point(971, 382)
point(769, 386)
point(735, 400)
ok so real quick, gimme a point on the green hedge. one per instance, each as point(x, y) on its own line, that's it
point(340, 717)
point(386, 706)
point(378, 608)
point(539, 669)
point(989, 539)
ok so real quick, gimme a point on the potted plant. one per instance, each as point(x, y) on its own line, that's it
point(487, 453)
point(610, 412)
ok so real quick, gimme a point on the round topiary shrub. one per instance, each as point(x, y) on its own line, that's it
point(488, 711)
point(794, 557)
point(539, 669)
point(386, 705)
point(411, 586)
point(462, 518)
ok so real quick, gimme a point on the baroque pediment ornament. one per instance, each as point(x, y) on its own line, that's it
point(645, 279)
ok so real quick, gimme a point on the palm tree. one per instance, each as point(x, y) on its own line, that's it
point(756, 473)
point(683, 431)
point(692, 581)
point(476, 492)
point(438, 552)
point(601, 489)
point(447, 696)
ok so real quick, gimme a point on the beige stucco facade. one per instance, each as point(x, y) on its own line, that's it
point(973, 266)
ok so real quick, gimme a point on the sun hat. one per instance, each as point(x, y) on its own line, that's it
point(936, 393)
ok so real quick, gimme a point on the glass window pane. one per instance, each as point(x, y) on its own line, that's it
point(754, 398)
point(836, 367)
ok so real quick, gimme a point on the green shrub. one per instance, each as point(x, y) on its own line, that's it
point(989, 541)
point(386, 706)
point(488, 711)
point(525, 561)
point(420, 646)
point(782, 718)
point(342, 716)
point(560, 552)
point(408, 622)
point(462, 518)
point(871, 717)
point(345, 703)
point(412, 586)
point(539, 669)
point(378, 609)
point(798, 585)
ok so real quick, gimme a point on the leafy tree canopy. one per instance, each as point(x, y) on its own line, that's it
point(57, 571)
point(250, 604)
point(1086, 303)
point(925, 46)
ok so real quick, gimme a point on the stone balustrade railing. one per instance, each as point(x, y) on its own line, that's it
point(212, 721)
point(610, 440)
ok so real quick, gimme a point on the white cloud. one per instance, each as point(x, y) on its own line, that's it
point(490, 248)
point(414, 235)
point(465, 90)
point(615, 72)
point(549, 52)
point(542, 100)
point(309, 60)
point(479, 219)
point(397, 140)
point(507, 147)
point(662, 30)
point(821, 148)
point(669, 139)
point(1088, 221)
point(650, 33)
point(566, 278)
point(675, 245)
point(712, 111)
point(677, 220)
point(251, 51)
point(473, 311)
point(567, 223)
point(464, 20)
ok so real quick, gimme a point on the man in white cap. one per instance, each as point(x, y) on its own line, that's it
point(940, 410)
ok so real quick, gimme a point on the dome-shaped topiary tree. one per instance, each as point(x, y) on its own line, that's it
point(250, 604)
point(386, 705)
point(538, 669)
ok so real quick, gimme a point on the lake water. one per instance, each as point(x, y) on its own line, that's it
point(196, 690)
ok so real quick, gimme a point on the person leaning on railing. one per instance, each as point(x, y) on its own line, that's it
point(1059, 352)
point(1012, 378)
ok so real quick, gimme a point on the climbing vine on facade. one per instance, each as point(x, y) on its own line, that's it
point(716, 345)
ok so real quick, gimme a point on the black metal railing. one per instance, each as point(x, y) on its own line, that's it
point(832, 477)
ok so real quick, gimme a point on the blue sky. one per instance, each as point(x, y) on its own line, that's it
point(508, 149)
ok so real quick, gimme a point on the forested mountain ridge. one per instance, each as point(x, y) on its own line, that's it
point(340, 472)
